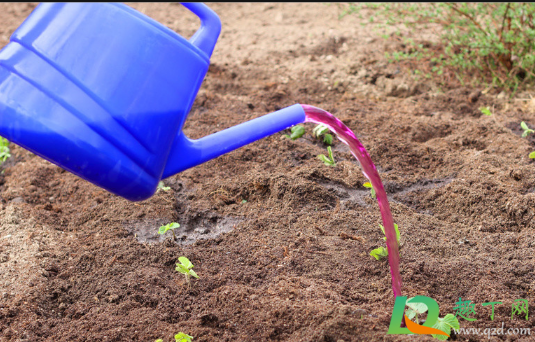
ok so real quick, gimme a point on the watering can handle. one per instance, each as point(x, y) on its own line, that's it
point(206, 36)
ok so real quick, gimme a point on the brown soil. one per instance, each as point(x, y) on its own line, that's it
point(280, 241)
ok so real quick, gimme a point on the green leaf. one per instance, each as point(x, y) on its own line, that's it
point(159, 340)
point(485, 110)
point(446, 324)
point(419, 308)
point(367, 185)
point(162, 186)
point(185, 261)
point(328, 139)
point(181, 337)
point(319, 130)
point(181, 268)
point(193, 274)
point(398, 235)
point(524, 126)
point(297, 132)
point(411, 314)
point(173, 225)
point(379, 253)
point(163, 229)
point(532, 155)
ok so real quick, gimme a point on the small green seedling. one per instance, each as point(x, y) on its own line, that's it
point(320, 130)
point(415, 309)
point(526, 129)
point(369, 186)
point(381, 252)
point(532, 155)
point(171, 226)
point(297, 132)
point(444, 324)
point(485, 110)
point(182, 337)
point(161, 186)
point(4, 150)
point(185, 267)
point(398, 235)
point(327, 161)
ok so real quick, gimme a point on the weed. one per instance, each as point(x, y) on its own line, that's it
point(381, 252)
point(185, 267)
point(330, 160)
point(369, 186)
point(4, 150)
point(485, 111)
point(297, 132)
point(532, 155)
point(320, 130)
point(493, 42)
point(171, 226)
point(526, 129)
point(161, 186)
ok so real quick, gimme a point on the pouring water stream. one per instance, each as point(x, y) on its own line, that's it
point(320, 116)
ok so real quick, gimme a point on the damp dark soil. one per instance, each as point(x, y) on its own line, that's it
point(280, 241)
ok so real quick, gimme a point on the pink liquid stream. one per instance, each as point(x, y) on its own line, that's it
point(320, 116)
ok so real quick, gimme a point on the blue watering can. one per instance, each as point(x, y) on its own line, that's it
point(103, 91)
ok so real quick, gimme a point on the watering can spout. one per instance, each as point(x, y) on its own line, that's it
point(187, 153)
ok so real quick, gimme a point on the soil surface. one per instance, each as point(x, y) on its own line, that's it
point(281, 241)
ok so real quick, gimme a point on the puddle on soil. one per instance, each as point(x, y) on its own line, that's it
point(349, 198)
point(201, 227)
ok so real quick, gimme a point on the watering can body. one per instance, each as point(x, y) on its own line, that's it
point(103, 91)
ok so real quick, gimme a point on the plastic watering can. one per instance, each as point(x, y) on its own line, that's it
point(103, 91)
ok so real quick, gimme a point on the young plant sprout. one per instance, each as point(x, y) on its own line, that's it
point(297, 132)
point(485, 110)
point(161, 186)
point(171, 226)
point(330, 160)
point(369, 186)
point(381, 252)
point(526, 129)
point(532, 155)
point(185, 267)
point(4, 150)
point(320, 130)
point(180, 337)
point(444, 324)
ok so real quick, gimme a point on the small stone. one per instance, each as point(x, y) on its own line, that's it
point(17, 200)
